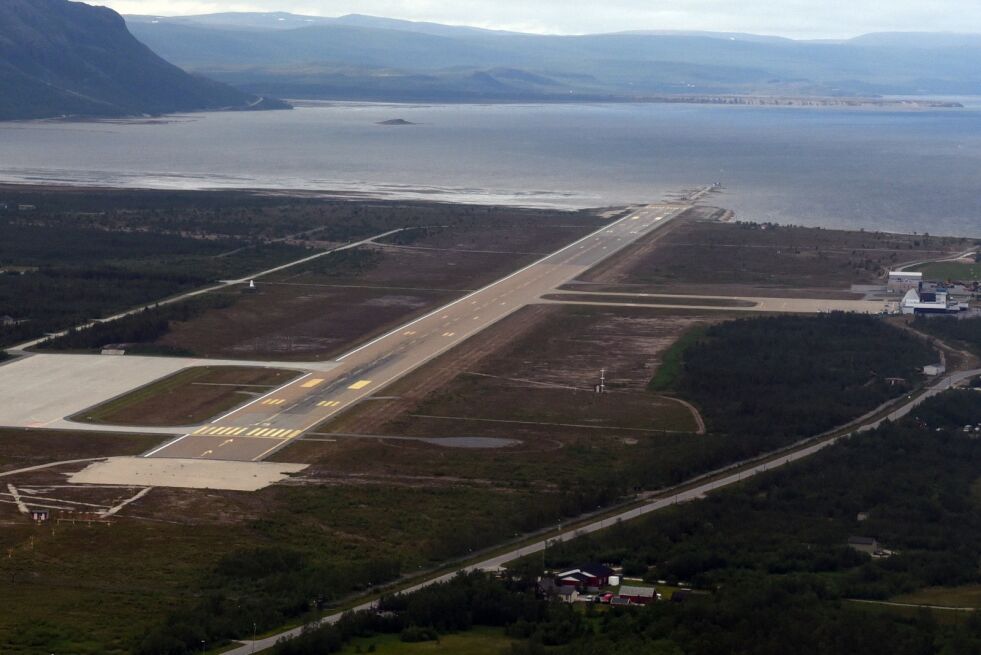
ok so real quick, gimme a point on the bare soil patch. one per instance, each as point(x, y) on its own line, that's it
point(189, 397)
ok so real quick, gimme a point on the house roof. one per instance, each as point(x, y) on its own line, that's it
point(597, 570)
point(638, 592)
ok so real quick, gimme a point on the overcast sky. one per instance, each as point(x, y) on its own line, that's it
point(794, 18)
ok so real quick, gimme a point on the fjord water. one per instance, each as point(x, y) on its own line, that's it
point(897, 170)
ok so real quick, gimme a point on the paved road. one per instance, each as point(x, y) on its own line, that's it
point(658, 503)
point(39, 391)
point(749, 303)
point(260, 428)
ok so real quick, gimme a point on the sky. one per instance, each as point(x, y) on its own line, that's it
point(792, 18)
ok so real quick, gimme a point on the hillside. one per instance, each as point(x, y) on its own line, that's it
point(363, 57)
point(61, 58)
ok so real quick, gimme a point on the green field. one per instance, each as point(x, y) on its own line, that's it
point(942, 271)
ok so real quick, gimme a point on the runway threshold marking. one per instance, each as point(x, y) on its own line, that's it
point(309, 384)
point(329, 403)
point(448, 334)
point(274, 401)
point(360, 384)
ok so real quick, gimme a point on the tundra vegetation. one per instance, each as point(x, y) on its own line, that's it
point(769, 556)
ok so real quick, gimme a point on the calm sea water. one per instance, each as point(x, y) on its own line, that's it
point(900, 171)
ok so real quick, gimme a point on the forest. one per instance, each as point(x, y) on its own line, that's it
point(138, 331)
point(966, 331)
point(669, 548)
point(53, 276)
point(786, 377)
point(78, 255)
point(772, 553)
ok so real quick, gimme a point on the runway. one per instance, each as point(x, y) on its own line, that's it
point(257, 430)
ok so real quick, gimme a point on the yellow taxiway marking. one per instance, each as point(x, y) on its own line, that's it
point(274, 401)
point(360, 384)
point(448, 334)
point(309, 384)
point(254, 432)
point(239, 431)
point(409, 333)
point(329, 403)
point(200, 430)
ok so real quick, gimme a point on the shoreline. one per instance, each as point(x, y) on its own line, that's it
point(418, 197)
point(413, 195)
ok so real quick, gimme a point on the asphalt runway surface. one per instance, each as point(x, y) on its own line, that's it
point(258, 429)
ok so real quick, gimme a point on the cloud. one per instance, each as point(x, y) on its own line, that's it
point(796, 18)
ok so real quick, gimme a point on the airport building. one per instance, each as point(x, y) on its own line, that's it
point(902, 281)
point(929, 302)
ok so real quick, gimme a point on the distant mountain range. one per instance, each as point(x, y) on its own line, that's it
point(368, 58)
point(60, 58)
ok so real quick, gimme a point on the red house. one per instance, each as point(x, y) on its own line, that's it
point(591, 577)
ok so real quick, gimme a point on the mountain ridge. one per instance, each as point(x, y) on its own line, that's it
point(61, 58)
point(358, 57)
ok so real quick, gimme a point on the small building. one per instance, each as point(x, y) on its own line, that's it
point(637, 595)
point(866, 545)
point(934, 370)
point(549, 588)
point(567, 594)
point(40, 515)
point(902, 281)
point(7, 321)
